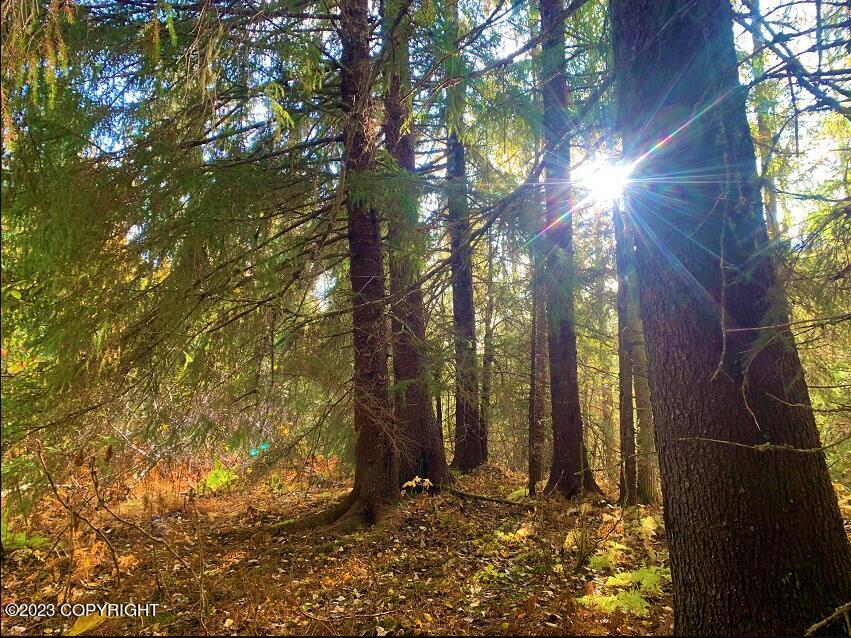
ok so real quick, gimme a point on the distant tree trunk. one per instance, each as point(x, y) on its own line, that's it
point(764, 141)
point(646, 460)
point(468, 436)
point(569, 472)
point(419, 439)
point(607, 425)
point(488, 353)
point(756, 539)
point(537, 394)
point(628, 481)
point(376, 485)
point(438, 403)
point(646, 444)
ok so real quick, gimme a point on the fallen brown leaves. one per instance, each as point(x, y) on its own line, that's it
point(443, 565)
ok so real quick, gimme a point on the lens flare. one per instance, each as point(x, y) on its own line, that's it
point(603, 181)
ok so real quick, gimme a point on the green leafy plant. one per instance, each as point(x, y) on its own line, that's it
point(647, 580)
point(219, 477)
point(19, 540)
point(626, 601)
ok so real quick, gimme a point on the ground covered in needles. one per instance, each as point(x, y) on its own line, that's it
point(220, 563)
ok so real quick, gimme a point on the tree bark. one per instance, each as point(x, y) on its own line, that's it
point(537, 394)
point(419, 439)
point(607, 426)
point(646, 458)
point(628, 481)
point(488, 353)
point(469, 443)
point(756, 539)
point(569, 472)
point(438, 403)
point(376, 485)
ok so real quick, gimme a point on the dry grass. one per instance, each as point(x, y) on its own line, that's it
point(443, 565)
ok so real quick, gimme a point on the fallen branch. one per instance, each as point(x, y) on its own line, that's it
point(491, 499)
point(349, 616)
point(842, 610)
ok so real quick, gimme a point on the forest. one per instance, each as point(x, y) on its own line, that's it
point(426, 317)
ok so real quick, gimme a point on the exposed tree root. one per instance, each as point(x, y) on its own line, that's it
point(572, 489)
point(322, 518)
point(350, 514)
point(491, 499)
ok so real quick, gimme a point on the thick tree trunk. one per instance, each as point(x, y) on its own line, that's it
point(419, 439)
point(469, 442)
point(376, 464)
point(537, 395)
point(755, 534)
point(628, 481)
point(487, 354)
point(569, 472)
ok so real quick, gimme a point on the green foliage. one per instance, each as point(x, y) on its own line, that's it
point(489, 573)
point(276, 484)
point(601, 562)
point(172, 204)
point(219, 477)
point(625, 601)
point(634, 587)
point(13, 540)
point(647, 580)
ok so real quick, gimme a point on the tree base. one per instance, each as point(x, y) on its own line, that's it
point(351, 514)
point(572, 489)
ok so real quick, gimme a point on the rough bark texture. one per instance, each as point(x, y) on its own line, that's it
point(646, 458)
point(537, 394)
point(628, 480)
point(755, 534)
point(569, 472)
point(438, 403)
point(469, 443)
point(487, 353)
point(607, 426)
point(419, 439)
point(376, 464)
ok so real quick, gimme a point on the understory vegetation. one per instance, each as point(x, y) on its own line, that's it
point(426, 316)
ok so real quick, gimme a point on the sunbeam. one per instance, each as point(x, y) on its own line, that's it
point(603, 181)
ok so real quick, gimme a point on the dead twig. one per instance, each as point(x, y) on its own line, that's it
point(842, 610)
point(75, 514)
point(490, 499)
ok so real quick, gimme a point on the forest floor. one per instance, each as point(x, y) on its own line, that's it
point(443, 565)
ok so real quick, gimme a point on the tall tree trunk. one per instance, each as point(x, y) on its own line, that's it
point(646, 458)
point(438, 402)
point(764, 140)
point(756, 539)
point(376, 485)
point(468, 436)
point(569, 472)
point(419, 439)
point(537, 394)
point(607, 425)
point(488, 353)
point(628, 481)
